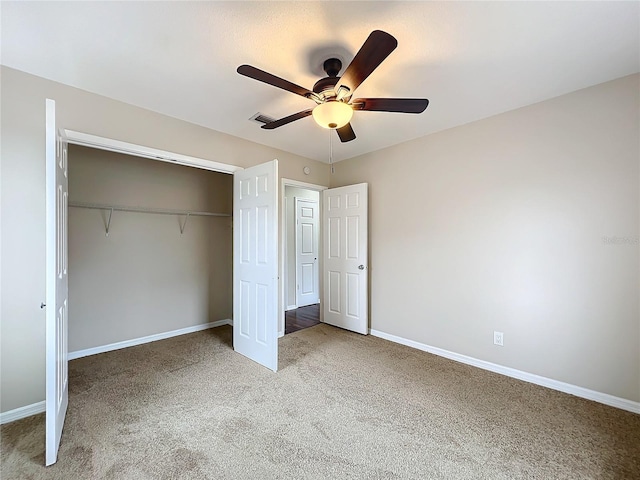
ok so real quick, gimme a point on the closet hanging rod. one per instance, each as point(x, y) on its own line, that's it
point(158, 211)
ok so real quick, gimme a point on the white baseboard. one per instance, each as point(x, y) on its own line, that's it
point(147, 339)
point(22, 412)
point(600, 397)
point(291, 307)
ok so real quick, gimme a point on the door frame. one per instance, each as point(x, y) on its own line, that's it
point(104, 143)
point(288, 182)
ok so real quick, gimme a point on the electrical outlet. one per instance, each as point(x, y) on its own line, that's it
point(498, 338)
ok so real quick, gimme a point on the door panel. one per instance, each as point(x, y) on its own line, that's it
point(345, 265)
point(255, 273)
point(307, 279)
point(353, 294)
point(334, 237)
point(307, 244)
point(353, 241)
point(334, 292)
point(57, 304)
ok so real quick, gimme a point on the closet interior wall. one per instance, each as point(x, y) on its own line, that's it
point(145, 277)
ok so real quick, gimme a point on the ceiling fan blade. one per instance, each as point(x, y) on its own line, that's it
point(262, 76)
point(375, 49)
point(346, 133)
point(401, 105)
point(285, 120)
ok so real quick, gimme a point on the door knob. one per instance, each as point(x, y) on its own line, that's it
point(361, 267)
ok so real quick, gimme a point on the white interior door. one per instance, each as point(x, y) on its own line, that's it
point(345, 233)
point(307, 274)
point(255, 263)
point(57, 361)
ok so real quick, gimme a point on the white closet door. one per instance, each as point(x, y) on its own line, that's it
point(57, 355)
point(255, 261)
point(345, 231)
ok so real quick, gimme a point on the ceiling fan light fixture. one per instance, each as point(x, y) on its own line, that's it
point(332, 114)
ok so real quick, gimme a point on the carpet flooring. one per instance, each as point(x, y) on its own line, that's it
point(342, 406)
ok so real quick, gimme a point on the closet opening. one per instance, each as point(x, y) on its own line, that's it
point(150, 250)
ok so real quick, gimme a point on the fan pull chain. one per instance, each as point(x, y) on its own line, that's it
point(331, 151)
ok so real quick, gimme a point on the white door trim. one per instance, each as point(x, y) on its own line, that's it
point(288, 182)
point(104, 143)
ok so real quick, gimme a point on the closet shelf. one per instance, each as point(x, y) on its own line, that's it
point(157, 211)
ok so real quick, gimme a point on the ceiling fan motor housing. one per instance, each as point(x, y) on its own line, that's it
point(326, 85)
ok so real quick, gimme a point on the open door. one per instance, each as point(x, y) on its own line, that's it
point(57, 361)
point(255, 263)
point(345, 233)
point(307, 280)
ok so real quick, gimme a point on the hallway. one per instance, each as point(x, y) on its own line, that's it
point(300, 318)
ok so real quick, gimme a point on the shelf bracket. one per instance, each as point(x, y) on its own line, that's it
point(108, 226)
point(184, 224)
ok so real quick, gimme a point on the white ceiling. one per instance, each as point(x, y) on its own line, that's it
point(470, 59)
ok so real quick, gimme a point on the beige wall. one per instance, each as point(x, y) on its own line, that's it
point(145, 277)
point(499, 225)
point(290, 222)
point(23, 200)
point(495, 225)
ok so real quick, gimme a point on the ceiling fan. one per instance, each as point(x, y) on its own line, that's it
point(333, 94)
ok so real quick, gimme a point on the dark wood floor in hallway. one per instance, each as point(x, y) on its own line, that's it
point(300, 318)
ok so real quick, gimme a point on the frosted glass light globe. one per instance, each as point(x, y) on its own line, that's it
point(332, 114)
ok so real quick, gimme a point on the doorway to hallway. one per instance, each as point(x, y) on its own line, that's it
point(301, 318)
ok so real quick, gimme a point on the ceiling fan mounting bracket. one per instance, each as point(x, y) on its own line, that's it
point(332, 66)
